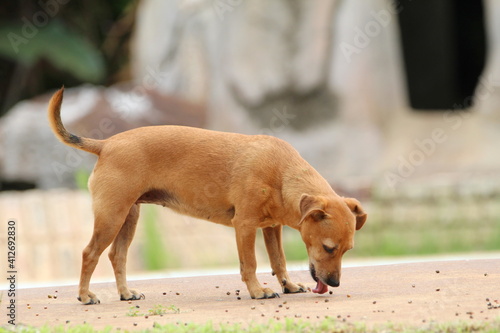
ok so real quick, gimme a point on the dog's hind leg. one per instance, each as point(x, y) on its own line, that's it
point(272, 238)
point(118, 255)
point(107, 224)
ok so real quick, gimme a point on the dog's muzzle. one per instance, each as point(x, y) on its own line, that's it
point(322, 286)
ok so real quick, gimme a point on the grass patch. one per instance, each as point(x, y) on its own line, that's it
point(81, 177)
point(289, 325)
point(157, 310)
point(389, 237)
point(155, 256)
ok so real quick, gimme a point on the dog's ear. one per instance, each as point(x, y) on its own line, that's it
point(355, 206)
point(311, 206)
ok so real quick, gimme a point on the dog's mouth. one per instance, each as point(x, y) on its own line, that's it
point(321, 288)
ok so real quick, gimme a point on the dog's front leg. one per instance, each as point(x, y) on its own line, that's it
point(245, 239)
point(272, 238)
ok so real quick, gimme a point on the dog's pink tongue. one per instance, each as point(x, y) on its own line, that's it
point(321, 288)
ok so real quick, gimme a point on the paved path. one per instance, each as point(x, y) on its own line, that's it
point(404, 293)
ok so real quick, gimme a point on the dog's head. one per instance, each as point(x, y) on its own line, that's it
point(327, 227)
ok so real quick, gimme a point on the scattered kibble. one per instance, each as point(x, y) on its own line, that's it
point(437, 271)
point(438, 289)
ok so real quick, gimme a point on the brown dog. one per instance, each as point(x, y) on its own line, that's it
point(247, 182)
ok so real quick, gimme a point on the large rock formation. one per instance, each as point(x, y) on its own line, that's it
point(324, 75)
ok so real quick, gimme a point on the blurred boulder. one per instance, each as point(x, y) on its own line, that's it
point(327, 76)
point(29, 152)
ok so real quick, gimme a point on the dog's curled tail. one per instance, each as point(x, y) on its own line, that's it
point(87, 144)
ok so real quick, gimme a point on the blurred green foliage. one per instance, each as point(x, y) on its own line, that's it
point(155, 256)
point(412, 228)
point(45, 44)
point(64, 49)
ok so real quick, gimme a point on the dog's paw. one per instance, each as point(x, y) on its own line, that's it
point(89, 299)
point(265, 293)
point(132, 295)
point(293, 288)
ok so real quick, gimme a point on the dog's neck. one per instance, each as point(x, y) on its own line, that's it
point(299, 180)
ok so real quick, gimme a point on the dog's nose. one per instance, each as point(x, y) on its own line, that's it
point(333, 282)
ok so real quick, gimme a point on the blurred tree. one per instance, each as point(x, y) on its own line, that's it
point(47, 43)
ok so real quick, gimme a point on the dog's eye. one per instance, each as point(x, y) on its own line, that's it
point(329, 249)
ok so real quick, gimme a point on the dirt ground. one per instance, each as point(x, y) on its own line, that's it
point(416, 293)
